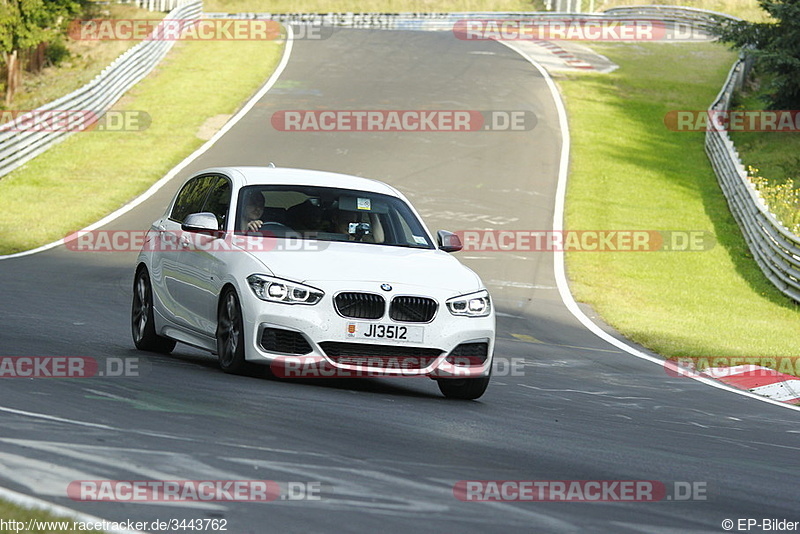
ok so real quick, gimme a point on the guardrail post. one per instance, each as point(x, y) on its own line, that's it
point(568, 6)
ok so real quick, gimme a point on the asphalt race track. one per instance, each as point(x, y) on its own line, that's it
point(387, 452)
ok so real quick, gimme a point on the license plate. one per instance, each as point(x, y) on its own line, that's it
point(386, 332)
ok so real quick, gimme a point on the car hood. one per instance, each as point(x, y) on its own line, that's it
point(357, 262)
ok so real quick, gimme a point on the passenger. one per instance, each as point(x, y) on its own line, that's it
point(352, 225)
point(306, 217)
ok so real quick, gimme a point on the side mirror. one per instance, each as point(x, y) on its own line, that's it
point(203, 223)
point(448, 241)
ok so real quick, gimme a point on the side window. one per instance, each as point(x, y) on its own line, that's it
point(219, 199)
point(190, 199)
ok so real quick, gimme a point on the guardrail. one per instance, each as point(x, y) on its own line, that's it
point(396, 21)
point(702, 18)
point(775, 249)
point(27, 136)
point(446, 21)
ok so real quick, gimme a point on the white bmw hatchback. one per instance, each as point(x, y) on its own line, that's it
point(314, 274)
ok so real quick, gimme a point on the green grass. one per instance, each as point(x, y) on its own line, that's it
point(773, 158)
point(93, 173)
point(775, 154)
point(12, 512)
point(628, 171)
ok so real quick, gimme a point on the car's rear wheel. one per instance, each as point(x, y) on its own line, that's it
point(463, 388)
point(143, 326)
point(230, 334)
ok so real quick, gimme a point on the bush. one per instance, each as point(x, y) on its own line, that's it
point(782, 199)
point(55, 53)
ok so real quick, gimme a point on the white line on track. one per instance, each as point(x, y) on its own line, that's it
point(32, 502)
point(558, 256)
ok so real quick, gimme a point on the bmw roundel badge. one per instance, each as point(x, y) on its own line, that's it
point(386, 287)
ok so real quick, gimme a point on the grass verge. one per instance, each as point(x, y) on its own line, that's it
point(41, 521)
point(111, 168)
point(629, 171)
point(772, 158)
point(775, 154)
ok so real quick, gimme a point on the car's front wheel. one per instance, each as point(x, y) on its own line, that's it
point(230, 334)
point(143, 325)
point(463, 388)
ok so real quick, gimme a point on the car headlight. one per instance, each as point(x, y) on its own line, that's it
point(472, 305)
point(278, 290)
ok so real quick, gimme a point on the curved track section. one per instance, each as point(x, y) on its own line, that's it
point(387, 452)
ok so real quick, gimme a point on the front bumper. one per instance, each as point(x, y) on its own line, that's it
point(309, 334)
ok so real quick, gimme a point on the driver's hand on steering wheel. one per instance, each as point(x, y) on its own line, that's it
point(254, 226)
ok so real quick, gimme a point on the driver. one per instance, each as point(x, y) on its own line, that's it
point(252, 212)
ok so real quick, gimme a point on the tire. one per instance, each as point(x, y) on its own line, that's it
point(463, 388)
point(230, 334)
point(143, 328)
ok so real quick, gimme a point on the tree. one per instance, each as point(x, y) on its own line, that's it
point(775, 47)
point(25, 24)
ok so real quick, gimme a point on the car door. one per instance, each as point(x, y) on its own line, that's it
point(168, 274)
point(203, 262)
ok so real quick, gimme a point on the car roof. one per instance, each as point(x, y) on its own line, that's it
point(287, 176)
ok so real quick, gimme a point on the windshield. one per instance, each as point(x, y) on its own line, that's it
point(328, 214)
